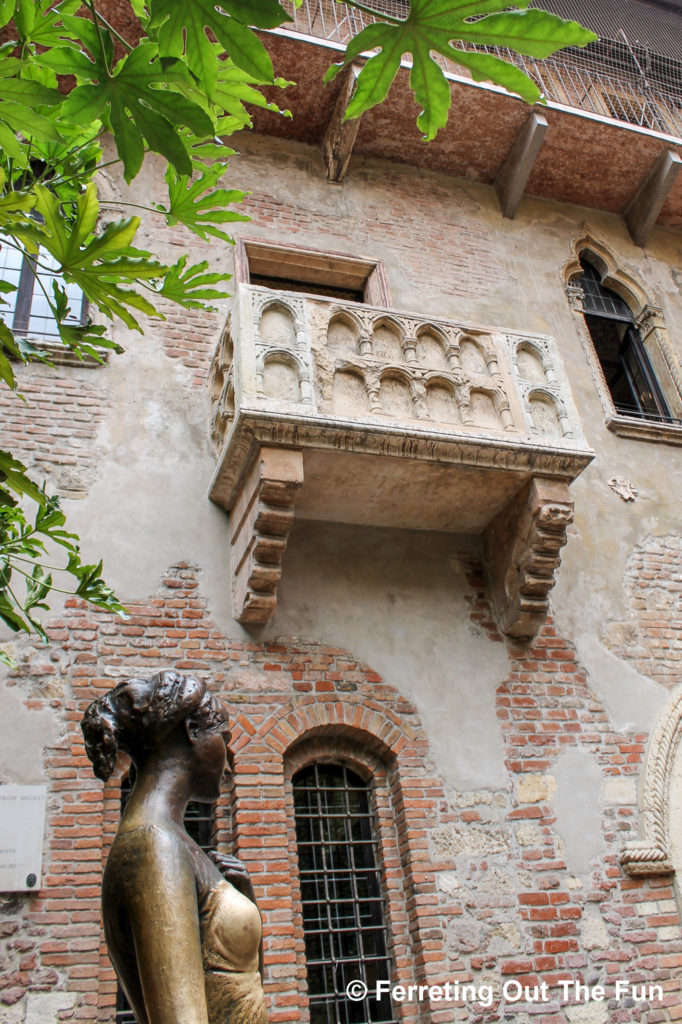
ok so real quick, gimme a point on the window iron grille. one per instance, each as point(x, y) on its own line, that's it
point(344, 924)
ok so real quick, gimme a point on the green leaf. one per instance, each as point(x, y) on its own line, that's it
point(38, 23)
point(21, 90)
point(6, 372)
point(92, 587)
point(190, 288)
point(260, 13)
point(13, 205)
point(486, 68)
point(6, 11)
point(143, 108)
point(192, 204)
point(430, 27)
point(13, 475)
point(87, 340)
point(182, 25)
point(98, 264)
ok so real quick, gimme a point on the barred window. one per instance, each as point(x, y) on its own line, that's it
point(341, 892)
point(200, 823)
point(624, 361)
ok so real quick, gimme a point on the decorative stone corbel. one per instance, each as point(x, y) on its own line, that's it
point(261, 519)
point(522, 548)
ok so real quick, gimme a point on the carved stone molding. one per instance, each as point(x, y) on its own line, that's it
point(456, 418)
point(650, 855)
point(261, 520)
point(522, 552)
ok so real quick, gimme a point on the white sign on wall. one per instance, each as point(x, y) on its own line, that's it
point(22, 821)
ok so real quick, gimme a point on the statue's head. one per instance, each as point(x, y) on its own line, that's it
point(140, 716)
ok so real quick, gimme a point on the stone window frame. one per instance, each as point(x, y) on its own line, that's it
point(313, 266)
point(649, 322)
point(651, 854)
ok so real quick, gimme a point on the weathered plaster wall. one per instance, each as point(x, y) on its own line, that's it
point(499, 720)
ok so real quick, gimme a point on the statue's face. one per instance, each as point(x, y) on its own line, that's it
point(210, 755)
point(210, 750)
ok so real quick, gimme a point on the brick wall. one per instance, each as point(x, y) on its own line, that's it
point(651, 636)
point(478, 888)
point(424, 230)
point(54, 430)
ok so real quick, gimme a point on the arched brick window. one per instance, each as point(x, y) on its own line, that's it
point(342, 900)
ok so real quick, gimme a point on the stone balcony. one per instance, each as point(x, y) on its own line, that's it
point(351, 413)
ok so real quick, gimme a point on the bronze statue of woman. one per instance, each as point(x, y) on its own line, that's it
point(184, 940)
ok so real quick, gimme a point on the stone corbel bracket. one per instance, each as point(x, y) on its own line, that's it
point(522, 547)
point(261, 519)
point(650, 855)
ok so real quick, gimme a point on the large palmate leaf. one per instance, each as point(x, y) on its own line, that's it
point(142, 107)
point(191, 288)
point(199, 205)
point(38, 21)
point(24, 104)
point(431, 26)
point(98, 263)
point(182, 24)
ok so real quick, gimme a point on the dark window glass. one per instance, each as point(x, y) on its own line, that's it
point(27, 310)
point(285, 284)
point(201, 826)
point(624, 361)
point(341, 894)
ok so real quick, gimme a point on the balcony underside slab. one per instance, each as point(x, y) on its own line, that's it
point(585, 159)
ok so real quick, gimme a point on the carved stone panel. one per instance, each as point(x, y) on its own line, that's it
point(309, 377)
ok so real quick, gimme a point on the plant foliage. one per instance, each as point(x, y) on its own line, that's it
point(67, 79)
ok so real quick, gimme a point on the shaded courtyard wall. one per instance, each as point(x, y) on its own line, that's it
point(505, 808)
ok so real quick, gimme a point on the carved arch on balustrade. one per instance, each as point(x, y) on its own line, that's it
point(652, 853)
point(481, 345)
point(288, 358)
point(439, 334)
point(389, 320)
point(341, 314)
point(539, 352)
point(399, 373)
point(544, 394)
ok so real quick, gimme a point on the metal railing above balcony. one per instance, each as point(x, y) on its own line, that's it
point(609, 78)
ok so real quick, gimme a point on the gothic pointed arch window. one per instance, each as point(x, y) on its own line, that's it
point(343, 904)
point(633, 385)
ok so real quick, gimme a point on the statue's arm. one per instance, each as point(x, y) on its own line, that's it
point(161, 903)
